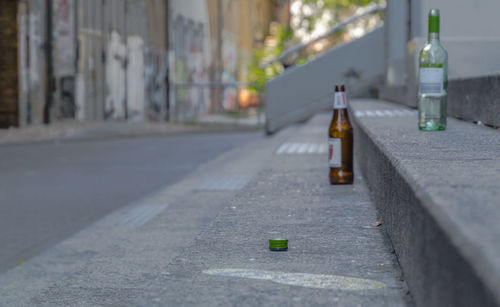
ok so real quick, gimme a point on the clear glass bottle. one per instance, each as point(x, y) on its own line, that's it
point(433, 80)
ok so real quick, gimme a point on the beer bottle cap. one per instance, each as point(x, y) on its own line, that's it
point(339, 88)
point(278, 245)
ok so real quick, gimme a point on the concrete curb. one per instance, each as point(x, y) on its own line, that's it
point(75, 131)
point(440, 223)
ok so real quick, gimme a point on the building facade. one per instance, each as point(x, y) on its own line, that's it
point(134, 60)
point(211, 46)
point(469, 32)
point(9, 74)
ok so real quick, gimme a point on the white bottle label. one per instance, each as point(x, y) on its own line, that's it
point(340, 101)
point(431, 81)
point(335, 152)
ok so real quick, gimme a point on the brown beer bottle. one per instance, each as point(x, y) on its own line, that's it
point(340, 141)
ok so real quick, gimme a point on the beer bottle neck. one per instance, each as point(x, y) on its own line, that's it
point(340, 116)
point(339, 101)
point(339, 113)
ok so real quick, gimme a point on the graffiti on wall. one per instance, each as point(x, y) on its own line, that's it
point(35, 45)
point(155, 73)
point(64, 37)
point(115, 77)
point(125, 76)
point(135, 78)
point(190, 73)
point(64, 50)
point(229, 64)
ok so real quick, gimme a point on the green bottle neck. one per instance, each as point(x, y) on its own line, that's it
point(433, 37)
point(433, 26)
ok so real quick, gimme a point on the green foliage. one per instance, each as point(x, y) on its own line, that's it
point(301, 61)
point(337, 7)
point(339, 4)
point(257, 76)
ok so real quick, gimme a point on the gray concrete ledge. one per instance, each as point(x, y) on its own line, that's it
point(438, 196)
point(475, 99)
point(471, 99)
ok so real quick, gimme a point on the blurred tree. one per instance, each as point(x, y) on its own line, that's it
point(274, 45)
point(310, 18)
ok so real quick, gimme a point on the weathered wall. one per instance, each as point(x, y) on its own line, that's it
point(64, 54)
point(472, 45)
point(460, 18)
point(110, 58)
point(8, 64)
point(33, 66)
point(156, 60)
point(122, 63)
point(190, 58)
point(211, 45)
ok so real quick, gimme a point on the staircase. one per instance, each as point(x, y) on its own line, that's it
point(436, 193)
point(302, 91)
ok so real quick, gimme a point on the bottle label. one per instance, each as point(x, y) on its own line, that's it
point(431, 81)
point(335, 152)
point(340, 101)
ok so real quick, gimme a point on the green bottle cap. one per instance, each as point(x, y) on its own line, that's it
point(278, 245)
point(434, 21)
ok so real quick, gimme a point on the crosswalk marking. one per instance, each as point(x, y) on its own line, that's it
point(302, 148)
point(385, 113)
point(292, 148)
point(283, 148)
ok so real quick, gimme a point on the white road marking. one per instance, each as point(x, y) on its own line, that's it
point(283, 148)
point(359, 113)
point(302, 148)
point(293, 147)
point(318, 281)
point(385, 113)
point(388, 113)
point(312, 148)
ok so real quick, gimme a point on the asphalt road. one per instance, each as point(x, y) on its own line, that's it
point(50, 191)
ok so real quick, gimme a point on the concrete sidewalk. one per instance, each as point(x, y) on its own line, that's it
point(149, 254)
point(75, 130)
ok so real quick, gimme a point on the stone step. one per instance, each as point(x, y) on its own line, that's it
point(439, 198)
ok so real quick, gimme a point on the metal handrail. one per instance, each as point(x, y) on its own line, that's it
point(213, 84)
point(332, 30)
